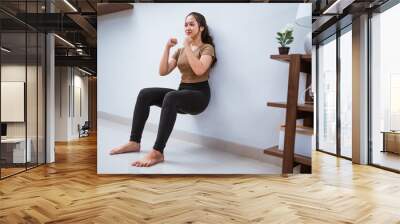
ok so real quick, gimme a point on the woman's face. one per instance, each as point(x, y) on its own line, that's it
point(192, 27)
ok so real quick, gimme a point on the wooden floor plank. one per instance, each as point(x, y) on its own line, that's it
point(70, 191)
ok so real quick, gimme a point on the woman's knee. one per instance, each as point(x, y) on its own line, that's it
point(170, 99)
point(144, 94)
point(145, 91)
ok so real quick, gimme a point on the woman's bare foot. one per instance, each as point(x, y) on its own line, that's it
point(131, 146)
point(152, 158)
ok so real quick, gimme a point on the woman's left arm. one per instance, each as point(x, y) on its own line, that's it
point(199, 66)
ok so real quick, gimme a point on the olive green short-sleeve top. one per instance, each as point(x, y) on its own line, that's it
point(188, 76)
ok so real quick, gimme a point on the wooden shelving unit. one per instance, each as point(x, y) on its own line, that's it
point(287, 57)
point(297, 63)
point(300, 107)
point(300, 159)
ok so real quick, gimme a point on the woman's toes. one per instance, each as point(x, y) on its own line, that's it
point(150, 159)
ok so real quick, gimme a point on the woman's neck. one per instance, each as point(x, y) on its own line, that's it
point(197, 42)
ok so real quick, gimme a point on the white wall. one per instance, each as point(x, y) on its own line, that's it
point(80, 83)
point(18, 73)
point(66, 121)
point(61, 103)
point(130, 45)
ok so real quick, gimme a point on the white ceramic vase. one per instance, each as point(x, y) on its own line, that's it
point(308, 43)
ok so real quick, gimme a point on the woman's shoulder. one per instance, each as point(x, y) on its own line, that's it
point(209, 46)
point(176, 53)
point(207, 49)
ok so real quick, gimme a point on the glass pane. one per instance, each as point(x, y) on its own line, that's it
point(13, 86)
point(385, 87)
point(22, 74)
point(346, 94)
point(41, 98)
point(327, 96)
point(31, 100)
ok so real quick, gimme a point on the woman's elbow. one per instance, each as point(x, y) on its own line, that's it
point(162, 72)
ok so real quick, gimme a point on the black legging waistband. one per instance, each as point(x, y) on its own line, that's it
point(196, 85)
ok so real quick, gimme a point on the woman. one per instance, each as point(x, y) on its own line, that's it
point(194, 61)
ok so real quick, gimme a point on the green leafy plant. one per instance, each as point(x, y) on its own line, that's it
point(285, 37)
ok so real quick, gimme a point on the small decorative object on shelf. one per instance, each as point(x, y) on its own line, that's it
point(285, 37)
point(307, 96)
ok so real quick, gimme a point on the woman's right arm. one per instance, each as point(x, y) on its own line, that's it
point(166, 64)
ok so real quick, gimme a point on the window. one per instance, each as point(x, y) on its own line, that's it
point(327, 95)
point(385, 89)
point(22, 77)
point(346, 75)
point(335, 94)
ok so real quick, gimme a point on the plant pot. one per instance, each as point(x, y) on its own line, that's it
point(283, 50)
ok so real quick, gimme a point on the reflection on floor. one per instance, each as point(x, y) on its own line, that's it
point(387, 159)
point(181, 157)
point(10, 171)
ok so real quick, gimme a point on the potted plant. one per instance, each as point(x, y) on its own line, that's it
point(285, 38)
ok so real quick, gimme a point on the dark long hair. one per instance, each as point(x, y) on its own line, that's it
point(205, 35)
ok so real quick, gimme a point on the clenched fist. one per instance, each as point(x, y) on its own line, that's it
point(172, 42)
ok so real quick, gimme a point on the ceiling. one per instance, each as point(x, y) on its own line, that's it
point(76, 22)
point(332, 15)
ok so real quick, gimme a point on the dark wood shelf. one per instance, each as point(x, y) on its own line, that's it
point(305, 61)
point(298, 63)
point(300, 107)
point(286, 58)
point(274, 151)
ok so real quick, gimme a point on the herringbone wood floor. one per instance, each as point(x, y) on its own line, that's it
point(70, 191)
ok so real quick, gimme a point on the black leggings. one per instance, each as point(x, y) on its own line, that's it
point(190, 98)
